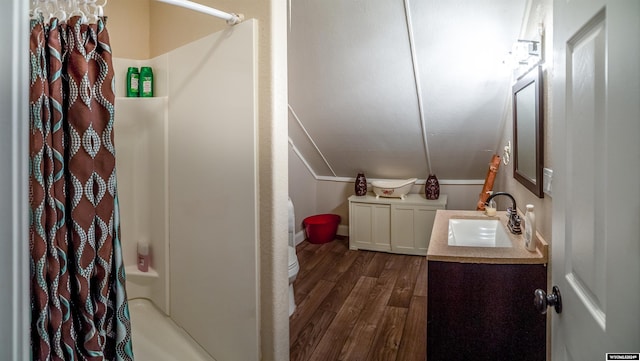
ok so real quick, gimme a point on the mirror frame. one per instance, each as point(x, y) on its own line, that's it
point(532, 78)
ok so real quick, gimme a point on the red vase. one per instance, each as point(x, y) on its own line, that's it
point(432, 187)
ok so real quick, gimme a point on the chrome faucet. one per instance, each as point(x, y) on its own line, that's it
point(512, 213)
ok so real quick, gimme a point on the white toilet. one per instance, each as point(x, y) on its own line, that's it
point(293, 259)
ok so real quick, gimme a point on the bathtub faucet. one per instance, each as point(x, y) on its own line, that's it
point(512, 213)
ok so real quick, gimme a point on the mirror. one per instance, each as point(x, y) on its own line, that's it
point(528, 131)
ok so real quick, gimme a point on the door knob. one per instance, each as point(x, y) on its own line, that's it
point(541, 300)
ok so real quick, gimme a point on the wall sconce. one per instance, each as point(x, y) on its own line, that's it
point(526, 51)
point(524, 55)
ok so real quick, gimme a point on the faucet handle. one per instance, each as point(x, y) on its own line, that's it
point(514, 224)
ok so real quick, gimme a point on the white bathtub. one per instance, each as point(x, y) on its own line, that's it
point(157, 338)
point(393, 188)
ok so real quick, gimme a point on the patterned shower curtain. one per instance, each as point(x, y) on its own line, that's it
point(78, 299)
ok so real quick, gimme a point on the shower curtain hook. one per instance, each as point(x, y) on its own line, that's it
point(92, 11)
point(75, 10)
point(35, 12)
point(52, 9)
point(100, 7)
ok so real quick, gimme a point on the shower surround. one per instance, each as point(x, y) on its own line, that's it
point(188, 178)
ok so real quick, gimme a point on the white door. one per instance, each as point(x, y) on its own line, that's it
point(596, 154)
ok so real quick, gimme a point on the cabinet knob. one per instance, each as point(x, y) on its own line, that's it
point(541, 300)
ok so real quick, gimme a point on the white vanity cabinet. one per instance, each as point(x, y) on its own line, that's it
point(392, 224)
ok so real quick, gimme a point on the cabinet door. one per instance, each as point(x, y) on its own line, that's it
point(382, 226)
point(411, 229)
point(370, 226)
point(484, 312)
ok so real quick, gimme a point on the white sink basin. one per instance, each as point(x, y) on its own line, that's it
point(478, 233)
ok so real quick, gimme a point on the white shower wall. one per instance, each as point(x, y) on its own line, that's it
point(212, 271)
point(213, 191)
point(141, 154)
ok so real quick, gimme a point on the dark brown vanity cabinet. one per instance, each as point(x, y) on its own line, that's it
point(485, 312)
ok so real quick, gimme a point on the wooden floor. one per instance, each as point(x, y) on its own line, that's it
point(358, 305)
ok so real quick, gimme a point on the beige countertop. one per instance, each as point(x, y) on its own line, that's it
point(439, 250)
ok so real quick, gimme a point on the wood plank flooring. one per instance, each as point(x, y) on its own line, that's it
point(358, 305)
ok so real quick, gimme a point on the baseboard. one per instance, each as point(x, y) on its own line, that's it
point(343, 230)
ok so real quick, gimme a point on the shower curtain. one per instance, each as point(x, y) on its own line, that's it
point(78, 299)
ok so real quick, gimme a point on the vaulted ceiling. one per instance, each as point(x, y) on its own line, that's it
point(361, 100)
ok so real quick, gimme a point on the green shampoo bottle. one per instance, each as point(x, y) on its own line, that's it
point(146, 82)
point(133, 78)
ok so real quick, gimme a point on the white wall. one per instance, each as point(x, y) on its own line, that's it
point(355, 93)
point(539, 12)
point(302, 188)
point(213, 191)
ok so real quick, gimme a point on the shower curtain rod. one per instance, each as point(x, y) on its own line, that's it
point(232, 19)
